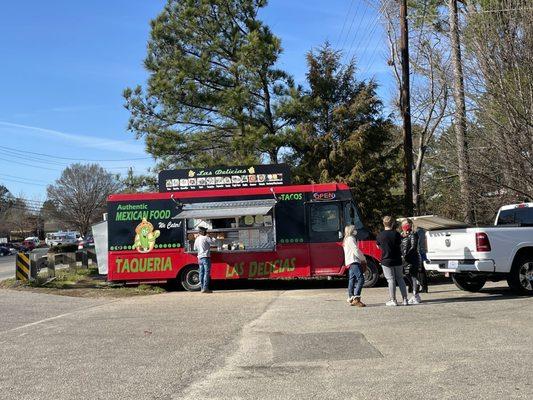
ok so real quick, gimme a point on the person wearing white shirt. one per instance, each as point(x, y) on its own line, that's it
point(202, 245)
point(355, 260)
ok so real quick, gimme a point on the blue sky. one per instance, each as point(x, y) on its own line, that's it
point(65, 64)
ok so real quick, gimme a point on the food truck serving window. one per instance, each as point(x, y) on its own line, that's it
point(237, 225)
point(226, 209)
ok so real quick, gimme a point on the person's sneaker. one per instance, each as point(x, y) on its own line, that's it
point(415, 300)
point(349, 300)
point(207, 291)
point(391, 303)
point(405, 302)
point(358, 303)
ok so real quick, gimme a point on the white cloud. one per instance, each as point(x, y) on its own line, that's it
point(80, 140)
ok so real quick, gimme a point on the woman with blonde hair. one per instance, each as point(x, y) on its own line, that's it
point(355, 260)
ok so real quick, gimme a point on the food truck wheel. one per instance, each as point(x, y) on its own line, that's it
point(371, 273)
point(190, 278)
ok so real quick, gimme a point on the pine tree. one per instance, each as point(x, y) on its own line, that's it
point(213, 93)
point(343, 136)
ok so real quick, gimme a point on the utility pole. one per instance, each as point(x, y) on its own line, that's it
point(405, 106)
point(460, 115)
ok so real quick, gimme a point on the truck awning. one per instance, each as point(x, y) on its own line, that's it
point(432, 222)
point(226, 209)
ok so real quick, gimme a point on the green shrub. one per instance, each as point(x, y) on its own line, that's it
point(64, 248)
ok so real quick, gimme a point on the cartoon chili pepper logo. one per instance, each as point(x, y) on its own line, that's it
point(145, 237)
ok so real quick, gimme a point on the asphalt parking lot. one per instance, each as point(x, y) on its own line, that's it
point(270, 341)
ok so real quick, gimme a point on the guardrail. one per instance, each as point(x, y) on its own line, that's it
point(29, 264)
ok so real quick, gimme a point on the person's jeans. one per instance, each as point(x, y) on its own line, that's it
point(205, 272)
point(394, 277)
point(356, 279)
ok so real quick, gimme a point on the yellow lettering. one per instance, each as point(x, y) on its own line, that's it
point(118, 261)
point(261, 269)
point(168, 264)
point(293, 264)
point(134, 265)
point(240, 268)
point(228, 271)
point(268, 268)
point(149, 264)
point(142, 264)
point(157, 264)
point(276, 267)
point(126, 266)
point(253, 269)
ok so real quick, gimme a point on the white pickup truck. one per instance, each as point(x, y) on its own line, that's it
point(474, 255)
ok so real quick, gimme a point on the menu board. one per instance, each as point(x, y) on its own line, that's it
point(224, 177)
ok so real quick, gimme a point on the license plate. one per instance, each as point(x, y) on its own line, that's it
point(453, 264)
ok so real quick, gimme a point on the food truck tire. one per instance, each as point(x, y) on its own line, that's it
point(190, 278)
point(371, 273)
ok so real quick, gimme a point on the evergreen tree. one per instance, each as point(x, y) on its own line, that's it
point(342, 136)
point(213, 95)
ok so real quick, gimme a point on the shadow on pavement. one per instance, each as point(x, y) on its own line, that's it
point(491, 294)
point(298, 284)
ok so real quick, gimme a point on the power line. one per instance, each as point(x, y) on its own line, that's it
point(15, 160)
point(361, 20)
point(16, 156)
point(73, 159)
point(20, 177)
point(349, 29)
point(29, 165)
point(19, 181)
point(367, 40)
point(344, 23)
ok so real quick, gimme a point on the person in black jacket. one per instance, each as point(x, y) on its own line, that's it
point(411, 258)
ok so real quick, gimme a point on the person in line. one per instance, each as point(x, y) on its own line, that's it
point(411, 258)
point(355, 260)
point(422, 249)
point(202, 245)
point(389, 242)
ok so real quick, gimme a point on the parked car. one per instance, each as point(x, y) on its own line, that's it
point(86, 243)
point(4, 251)
point(29, 244)
point(18, 247)
point(12, 250)
point(475, 255)
point(33, 239)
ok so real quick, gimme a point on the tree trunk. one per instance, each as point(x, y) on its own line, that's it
point(405, 105)
point(460, 114)
point(417, 175)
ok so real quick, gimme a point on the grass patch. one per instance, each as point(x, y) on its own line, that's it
point(80, 282)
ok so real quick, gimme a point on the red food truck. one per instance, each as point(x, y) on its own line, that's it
point(265, 227)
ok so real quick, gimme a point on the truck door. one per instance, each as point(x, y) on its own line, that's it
point(325, 237)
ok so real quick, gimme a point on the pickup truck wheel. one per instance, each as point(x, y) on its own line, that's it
point(469, 283)
point(520, 278)
point(190, 278)
point(371, 274)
